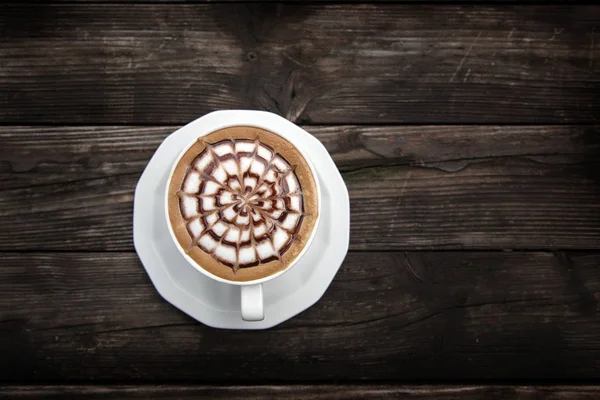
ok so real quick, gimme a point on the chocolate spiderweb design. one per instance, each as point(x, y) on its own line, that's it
point(242, 203)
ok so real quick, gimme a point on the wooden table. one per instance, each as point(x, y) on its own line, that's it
point(467, 138)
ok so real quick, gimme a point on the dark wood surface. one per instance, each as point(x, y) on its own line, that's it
point(425, 187)
point(467, 135)
point(387, 316)
point(334, 392)
point(381, 63)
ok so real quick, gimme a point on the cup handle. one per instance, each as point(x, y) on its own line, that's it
point(252, 303)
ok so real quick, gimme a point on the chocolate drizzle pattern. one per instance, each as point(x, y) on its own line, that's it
point(242, 203)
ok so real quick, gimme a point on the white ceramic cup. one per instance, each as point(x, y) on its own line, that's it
point(252, 303)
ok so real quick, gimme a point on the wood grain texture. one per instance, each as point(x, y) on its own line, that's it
point(318, 64)
point(386, 316)
point(430, 187)
point(329, 392)
point(293, 1)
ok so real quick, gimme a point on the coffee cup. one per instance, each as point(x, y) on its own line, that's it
point(243, 203)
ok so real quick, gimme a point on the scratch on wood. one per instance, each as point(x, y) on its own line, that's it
point(398, 202)
point(511, 33)
point(465, 56)
point(409, 267)
point(556, 33)
point(467, 75)
point(145, 327)
point(292, 59)
point(408, 174)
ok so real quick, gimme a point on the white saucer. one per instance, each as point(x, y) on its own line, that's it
point(218, 304)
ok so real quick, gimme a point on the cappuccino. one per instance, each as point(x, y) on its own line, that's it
point(242, 203)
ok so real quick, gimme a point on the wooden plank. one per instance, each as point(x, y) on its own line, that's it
point(387, 316)
point(471, 187)
point(35, 155)
point(332, 392)
point(357, 63)
point(294, 1)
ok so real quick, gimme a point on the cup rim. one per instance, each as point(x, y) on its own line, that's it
point(263, 125)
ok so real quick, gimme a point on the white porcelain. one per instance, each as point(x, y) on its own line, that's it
point(252, 304)
point(216, 303)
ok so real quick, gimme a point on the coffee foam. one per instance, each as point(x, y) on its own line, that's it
point(242, 203)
